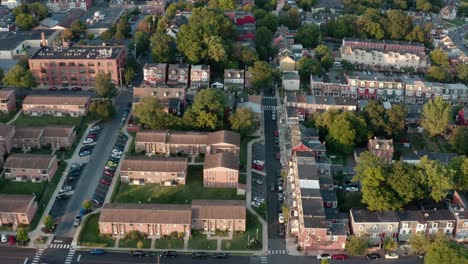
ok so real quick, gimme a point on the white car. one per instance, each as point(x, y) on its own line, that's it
point(273, 117)
point(259, 162)
point(65, 188)
point(259, 199)
point(116, 151)
point(281, 218)
point(76, 164)
point(324, 256)
point(352, 189)
point(88, 141)
point(95, 128)
point(257, 181)
point(338, 187)
point(4, 238)
point(256, 204)
point(117, 156)
point(391, 256)
point(280, 188)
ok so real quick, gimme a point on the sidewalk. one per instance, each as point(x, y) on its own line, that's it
point(15, 117)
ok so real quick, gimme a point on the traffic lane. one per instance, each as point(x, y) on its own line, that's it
point(15, 255)
point(281, 259)
point(124, 257)
point(54, 255)
point(92, 173)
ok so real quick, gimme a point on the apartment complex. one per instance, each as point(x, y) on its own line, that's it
point(212, 215)
point(165, 171)
point(166, 142)
point(7, 101)
point(37, 105)
point(384, 53)
point(221, 170)
point(76, 66)
point(6, 141)
point(55, 137)
point(17, 209)
point(30, 167)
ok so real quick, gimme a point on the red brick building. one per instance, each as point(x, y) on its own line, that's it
point(76, 66)
point(7, 101)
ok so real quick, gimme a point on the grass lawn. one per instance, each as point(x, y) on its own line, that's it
point(243, 151)
point(11, 187)
point(27, 121)
point(239, 241)
point(182, 194)
point(89, 235)
point(261, 210)
point(337, 159)
point(243, 178)
point(348, 200)
point(169, 243)
point(4, 118)
point(200, 241)
point(434, 144)
point(131, 149)
point(132, 243)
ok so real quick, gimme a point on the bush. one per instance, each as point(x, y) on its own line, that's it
point(133, 235)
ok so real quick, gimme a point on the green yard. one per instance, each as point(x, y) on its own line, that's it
point(183, 194)
point(424, 142)
point(243, 151)
point(349, 200)
point(132, 243)
point(90, 236)
point(169, 243)
point(4, 118)
point(11, 187)
point(239, 241)
point(27, 121)
point(200, 242)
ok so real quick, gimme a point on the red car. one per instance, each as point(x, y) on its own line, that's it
point(339, 256)
point(276, 133)
point(76, 89)
point(11, 240)
point(102, 181)
point(53, 89)
point(109, 173)
point(93, 136)
point(257, 167)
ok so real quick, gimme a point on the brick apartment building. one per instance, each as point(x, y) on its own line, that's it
point(27, 138)
point(7, 101)
point(155, 73)
point(67, 5)
point(76, 66)
point(165, 142)
point(17, 209)
point(221, 170)
point(212, 215)
point(56, 137)
point(166, 171)
point(37, 105)
point(118, 219)
point(382, 148)
point(6, 141)
point(30, 167)
point(377, 226)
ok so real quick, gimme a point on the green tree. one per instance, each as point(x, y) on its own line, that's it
point(460, 166)
point(151, 114)
point(122, 29)
point(374, 112)
point(406, 182)
point(462, 72)
point(66, 34)
point(308, 66)
point(438, 74)
point(324, 261)
point(398, 24)
point(78, 28)
point(356, 246)
point(417, 34)
point(128, 75)
point(87, 205)
point(22, 235)
point(291, 18)
point(269, 21)
point(437, 178)
point(263, 75)
point(390, 244)
point(435, 116)
point(163, 24)
point(102, 109)
point(419, 242)
point(309, 36)
point(243, 121)
point(345, 131)
point(19, 77)
point(163, 48)
point(306, 4)
point(141, 39)
point(248, 56)
point(2, 75)
point(106, 35)
point(38, 10)
point(227, 4)
point(445, 252)
point(104, 85)
point(26, 22)
point(207, 30)
point(439, 58)
point(207, 111)
point(263, 38)
point(458, 140)
point(395, 120)
point(144, 26)
point(49, 223)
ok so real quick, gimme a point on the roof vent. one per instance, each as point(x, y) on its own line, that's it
point(426, 215)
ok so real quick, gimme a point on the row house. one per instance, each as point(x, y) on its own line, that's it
point(221, 170)
point(7, 101)
point(198, 76)
point(330, 84)
point(314, 103)
point(306, 140)
point(291, 80)
point(118, 219)
point(212, 215)
point(152, 6)
point(376, 226)
point(237, 79)
point(371, 85)
point(283, 38)
point(173, 99)
point(180, 19)
point(165, 142)
point(382, 148)
point(38, 105)
point(425, 222)
point(55, 137)
point(166, 171)
point(17, 209)
point(67, 5)
point(30, 167)
point(6, 141)
point(458, 207)
point(384, 53)
point(419, 92)
point(178, 74)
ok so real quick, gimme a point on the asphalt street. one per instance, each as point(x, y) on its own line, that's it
point(14, 255)
point(92, 172)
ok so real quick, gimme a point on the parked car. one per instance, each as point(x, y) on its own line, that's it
point(259, 162)
point(77, 165)
point(391, 255)
point(109, 173)
point(111, 163)
point(200, 255)
point(273, 116)
point(95, 128)
point(11, 240)
point(77, 89)
point(277, 156)
point(339, 256)
point(62, 197)
point(169, 254)
point(64, 89)
point(337, 187)
point(324, 256)
point(259, 199)
point(97, 251)
point(53, 89)
point(257, 167)
point(77, 221)
point(116, 151)
point(65, 188)
point(93, 136)
point(352, 189)
point(220, 255)
point(105, 182)
point(117, 156)
point(281, 218)
point(280, 197)
point(272, 187)
point(373, 256)
point(256, 204)
point(281, 231)
point(257, 181)
point(276, 133)
point(74, 173)
point(88, 141)
point(137, 253)
point(70, 179)
point(4, 238)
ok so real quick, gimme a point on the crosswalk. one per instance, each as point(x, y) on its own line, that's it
point(38, 255)
point(63, 246)
point(263, 260)
point(276, 252)
point(269, 107)
point(70, 255)
point(269, 97)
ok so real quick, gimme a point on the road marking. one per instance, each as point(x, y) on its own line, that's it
point(58, 241)
point(263, 260)
point(78, 259)
point(25, 261)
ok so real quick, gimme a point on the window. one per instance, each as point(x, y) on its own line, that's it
point(361, 227)
point(307, 238)
point(465, 224)
point(449, 224)
point(435, 225)
point(318, 238)
point(375, 227)
point(405, 225)
point(390, 227)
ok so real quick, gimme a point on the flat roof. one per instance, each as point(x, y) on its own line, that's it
point(9, 40)
point(82, 52)
point(110, 16)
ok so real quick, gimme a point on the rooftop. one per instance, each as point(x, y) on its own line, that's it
point(81, 52)
point(154, 164)
point(28, 132)
point(313, 207)
point(9, 40)
point(218, 209)
point(56, 100)
point(362, 216)
point(28, 161)
point(5, 130)
point(107, 17)
point(15, 203)
point(57, 131)
point(222, 159)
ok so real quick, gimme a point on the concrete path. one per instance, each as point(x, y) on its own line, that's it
point(153, 242)
point(117, 240)
point(185, 244)
point(15, 117)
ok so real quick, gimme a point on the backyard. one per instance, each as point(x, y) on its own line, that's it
point(349, 200)
point(164, 243)
point(90, 236)
point(431, 144)
point(240, 241)
point(4, 118)
point(182, 194)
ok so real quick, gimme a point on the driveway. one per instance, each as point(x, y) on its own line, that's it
point(92, 172)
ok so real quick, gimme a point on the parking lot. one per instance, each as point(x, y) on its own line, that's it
point(258, 190)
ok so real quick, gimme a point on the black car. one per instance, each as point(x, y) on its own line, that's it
point(373, 256)
point(64, 89)
point(70, 179)
point(62, 197)
point(220, 255)
point(74, 173)
point(199, 255)
point(169, 254)
point(137, 253)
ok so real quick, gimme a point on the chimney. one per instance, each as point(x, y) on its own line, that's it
point(43, 40)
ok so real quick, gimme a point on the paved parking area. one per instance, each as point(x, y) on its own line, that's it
point(258, 151)
point(258, 190)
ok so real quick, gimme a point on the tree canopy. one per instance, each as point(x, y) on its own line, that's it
point(163, 48)
point(150, 113)
point(435, 116)
point(102, 109)
point(19, 77)
point(104, 86)
point(263, 75)
point(308, 66)
point(207, 111)
point(309, 36)
point(356, 246)
point(445, 252)
point(28, 16)
point(243, 121)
